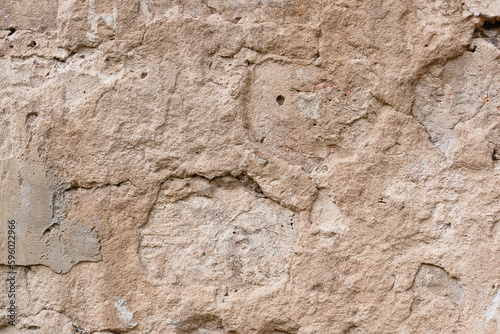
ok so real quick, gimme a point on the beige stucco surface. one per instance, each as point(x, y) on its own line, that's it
point(250, 166)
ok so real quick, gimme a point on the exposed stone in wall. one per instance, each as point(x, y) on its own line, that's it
point(217, 233)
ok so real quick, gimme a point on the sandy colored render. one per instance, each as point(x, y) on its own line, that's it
point(251, 167)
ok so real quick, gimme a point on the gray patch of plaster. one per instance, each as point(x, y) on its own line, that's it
point(493, 307)
point(456, 93)
point(26, 197)
point(432, 280)
point(309, 105)
point(326, 217)
point(126, 316)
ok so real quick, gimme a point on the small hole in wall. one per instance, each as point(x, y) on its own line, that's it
point(280, 100)
point(31, 117)
point(489, 31)
point(12, 31)
point(32, 44)
point(496, 155)
point(143, 75)
point(492, 26)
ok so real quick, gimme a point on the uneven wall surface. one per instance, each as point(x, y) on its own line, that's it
point(244, 166)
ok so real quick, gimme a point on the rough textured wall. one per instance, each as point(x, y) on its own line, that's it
point(244, 166)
